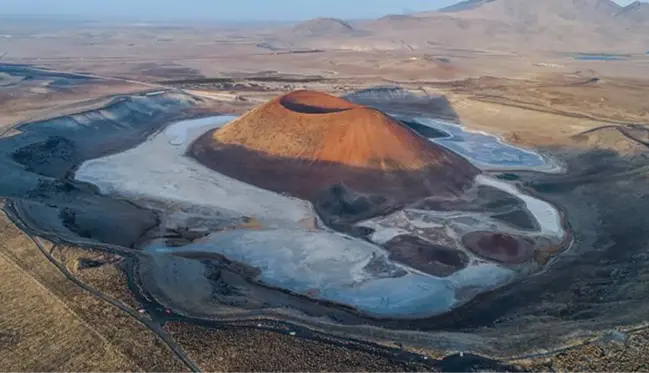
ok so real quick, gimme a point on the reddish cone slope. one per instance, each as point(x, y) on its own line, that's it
point(305, 143)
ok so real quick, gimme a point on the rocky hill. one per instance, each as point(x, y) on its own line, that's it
point(543, 13)
point(465, 5)
point(508, 25)
point(636, 12)
point(323, 27)
point(346, 158)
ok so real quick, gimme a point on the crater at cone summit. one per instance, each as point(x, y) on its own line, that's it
point(313, 145)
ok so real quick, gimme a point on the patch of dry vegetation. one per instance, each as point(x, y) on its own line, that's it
point(54, 324)
point(609, 356)
point(242, 349)
point(106, 278)
point(579, 95)
point(38, 332)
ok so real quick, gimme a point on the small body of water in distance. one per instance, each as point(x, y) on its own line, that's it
point(601, 57)
point(486, 151)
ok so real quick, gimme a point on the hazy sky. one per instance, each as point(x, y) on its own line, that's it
point(235, 10)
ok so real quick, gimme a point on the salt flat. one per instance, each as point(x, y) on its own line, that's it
point(337, 268)
point(320, 264)
point(158, 174)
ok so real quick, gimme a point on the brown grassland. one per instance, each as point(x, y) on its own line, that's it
point(51, 323)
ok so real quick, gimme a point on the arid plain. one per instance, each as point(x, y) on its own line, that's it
point(81, 292)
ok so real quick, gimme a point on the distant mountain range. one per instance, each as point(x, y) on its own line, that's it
point(637, 12)
point(521, 25)
point(324, 26)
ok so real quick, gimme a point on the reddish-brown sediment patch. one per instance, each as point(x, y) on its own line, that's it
point(305, 142)
point(500, 247)
point(425, 256)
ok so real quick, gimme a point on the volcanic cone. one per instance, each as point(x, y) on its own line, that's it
point(349, 160)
